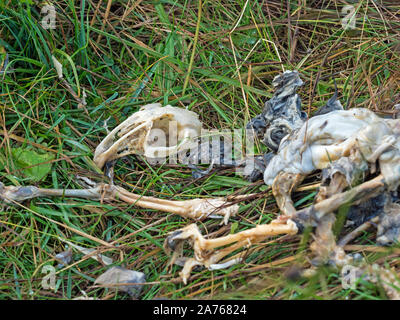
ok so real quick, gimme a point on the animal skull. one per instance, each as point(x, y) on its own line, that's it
point(153, 131)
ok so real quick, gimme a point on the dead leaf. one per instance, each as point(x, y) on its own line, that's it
point(118, 277)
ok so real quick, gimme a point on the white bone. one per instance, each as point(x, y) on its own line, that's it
point(153, 131)
point(196, 209)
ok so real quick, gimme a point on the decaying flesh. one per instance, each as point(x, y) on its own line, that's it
point(196, 209)
point(282, 113)
point(349, 144)
point(329, 137)
point(154, 132)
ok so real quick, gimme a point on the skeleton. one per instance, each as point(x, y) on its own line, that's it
point(348, 145)
point(344, 141)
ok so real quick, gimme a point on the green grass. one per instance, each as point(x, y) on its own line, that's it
point(140, 52)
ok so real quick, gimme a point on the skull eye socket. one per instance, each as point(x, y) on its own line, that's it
point(157, 138)
point(164, 132)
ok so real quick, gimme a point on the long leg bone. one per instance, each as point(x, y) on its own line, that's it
point(197, 209)
point(282, 188)
point(318, 213)
point(364, 191)
point(325, 247)
point(203, 248)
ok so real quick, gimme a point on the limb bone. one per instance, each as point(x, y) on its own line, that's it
point(282, 188)
point(205, 250)
point(197, 209)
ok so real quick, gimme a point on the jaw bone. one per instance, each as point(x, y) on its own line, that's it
point(153, 131)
